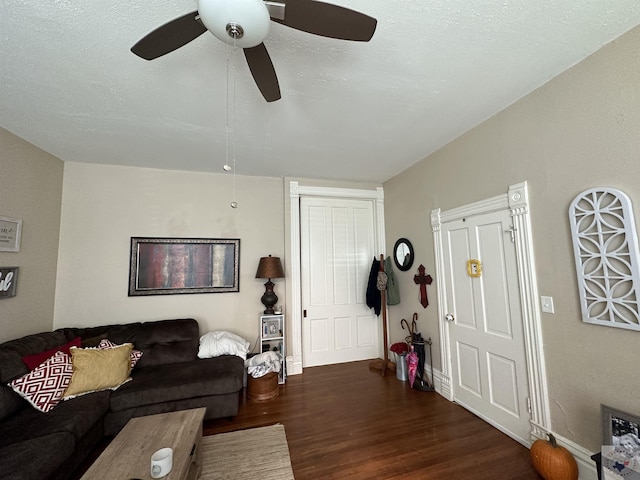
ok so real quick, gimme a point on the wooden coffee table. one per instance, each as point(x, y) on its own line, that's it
point(128, 456)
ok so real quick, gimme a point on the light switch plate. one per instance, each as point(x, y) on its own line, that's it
point(547, 304)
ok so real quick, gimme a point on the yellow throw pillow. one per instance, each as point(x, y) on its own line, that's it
point(95, 370)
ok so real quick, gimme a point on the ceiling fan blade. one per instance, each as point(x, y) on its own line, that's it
point(328, 20)
point(170, 36)
point(263, 72)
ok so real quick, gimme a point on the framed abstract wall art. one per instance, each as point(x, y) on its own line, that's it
point(166, 266)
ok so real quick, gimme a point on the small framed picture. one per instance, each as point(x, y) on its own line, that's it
point(8, 281)
point(271, 328)
point(10, 230)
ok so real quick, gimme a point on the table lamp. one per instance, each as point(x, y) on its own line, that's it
point(269, 267)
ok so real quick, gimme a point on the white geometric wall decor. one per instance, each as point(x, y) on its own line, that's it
point(605, 245)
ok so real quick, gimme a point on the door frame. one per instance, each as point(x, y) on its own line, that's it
point(516, 200)
point(294, 362)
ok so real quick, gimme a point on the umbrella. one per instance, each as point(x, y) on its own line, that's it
point(418, 342)
point(412, 363)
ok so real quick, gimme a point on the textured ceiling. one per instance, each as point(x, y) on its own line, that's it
point(349, 110)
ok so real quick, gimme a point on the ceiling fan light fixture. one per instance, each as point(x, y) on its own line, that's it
point(244, 21)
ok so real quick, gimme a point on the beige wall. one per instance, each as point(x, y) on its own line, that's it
point(103, 206)
point(30, 189)
point(581, 130)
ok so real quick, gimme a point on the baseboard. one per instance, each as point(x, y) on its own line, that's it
point(586, 465)
point(437, 381)
point(294, 364)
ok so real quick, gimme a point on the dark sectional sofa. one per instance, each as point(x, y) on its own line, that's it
point(169, 376)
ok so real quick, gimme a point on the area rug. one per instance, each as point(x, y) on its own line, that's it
point(247, 454)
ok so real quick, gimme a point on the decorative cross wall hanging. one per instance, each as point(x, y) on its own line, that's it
point(423, 280)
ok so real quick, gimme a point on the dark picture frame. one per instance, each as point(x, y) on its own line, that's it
point(8, 281)
point(168, 266)
point(619, 427)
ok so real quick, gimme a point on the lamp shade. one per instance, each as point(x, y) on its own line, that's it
point(251, 16)
point(270, 267)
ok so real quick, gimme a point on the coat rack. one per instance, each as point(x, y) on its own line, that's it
point(383, 364)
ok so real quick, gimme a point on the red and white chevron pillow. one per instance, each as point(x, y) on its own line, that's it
point(135, 354)
point(44, 386)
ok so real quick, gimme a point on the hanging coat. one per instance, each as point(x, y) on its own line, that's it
point(393, 291)
point(374, 299)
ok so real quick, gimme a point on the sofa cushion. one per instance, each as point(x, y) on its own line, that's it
point(178, 381)
point(11, 352)
point(44, 386)
point(91, 336)
point(12, 366)
point(167, 342)
point(162, 341)
point(10, 402)
point(95, 369)
point(35, 458)
point(75, 417)
point(32, 361)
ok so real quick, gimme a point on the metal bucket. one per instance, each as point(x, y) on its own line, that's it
point(401, 368)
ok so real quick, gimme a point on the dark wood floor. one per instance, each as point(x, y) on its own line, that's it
point(347, 421)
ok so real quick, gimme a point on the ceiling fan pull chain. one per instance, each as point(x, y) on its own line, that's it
point(226, 167)
point(234, 203)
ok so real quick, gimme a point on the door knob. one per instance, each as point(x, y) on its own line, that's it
point(449, 317)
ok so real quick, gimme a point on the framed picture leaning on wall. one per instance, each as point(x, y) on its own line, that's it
point(620, 444)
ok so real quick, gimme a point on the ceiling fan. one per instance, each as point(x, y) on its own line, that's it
point(246, 24)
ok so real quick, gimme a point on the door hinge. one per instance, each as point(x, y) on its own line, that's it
point(529, 404)
point(512, 232)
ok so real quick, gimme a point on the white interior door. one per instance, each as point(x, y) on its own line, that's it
point(488, 359)
point(337, 243)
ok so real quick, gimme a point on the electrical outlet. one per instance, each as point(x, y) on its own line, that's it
point(547, 304)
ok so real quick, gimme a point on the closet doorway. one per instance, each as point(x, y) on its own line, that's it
point(339, 232)
point(337, 246)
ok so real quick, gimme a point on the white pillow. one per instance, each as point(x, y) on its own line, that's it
point(214, 344)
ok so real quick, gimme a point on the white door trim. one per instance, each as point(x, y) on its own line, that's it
point(517, 202)
point(294, 362)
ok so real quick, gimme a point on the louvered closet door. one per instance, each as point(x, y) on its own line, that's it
point(337, 247)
